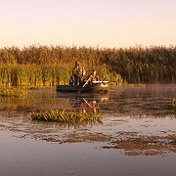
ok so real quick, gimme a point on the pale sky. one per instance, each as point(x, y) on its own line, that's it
point(96, 23)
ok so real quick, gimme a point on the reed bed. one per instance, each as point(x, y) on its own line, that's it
point(65, 116)
point(13, 92)
point(44, 65)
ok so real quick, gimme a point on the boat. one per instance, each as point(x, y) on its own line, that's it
point(94, 86)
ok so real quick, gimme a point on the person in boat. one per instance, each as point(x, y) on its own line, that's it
point(77, 70)
point(93, 76)
point(76, 73)
point(83, 77)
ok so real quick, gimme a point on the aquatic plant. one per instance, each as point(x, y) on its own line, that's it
point(13, 92)
point(65, 116)
point(172, 137)
point(136, 144)
point(173, 101)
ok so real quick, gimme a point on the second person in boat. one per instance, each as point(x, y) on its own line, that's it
point(93, 76)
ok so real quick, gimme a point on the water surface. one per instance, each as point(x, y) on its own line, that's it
point(134, 138)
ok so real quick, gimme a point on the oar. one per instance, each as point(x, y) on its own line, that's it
point(85, 84)
point(87, 81)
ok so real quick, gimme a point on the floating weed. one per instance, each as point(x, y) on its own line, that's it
point(172, 137)
point(13, 92)
point(65, 116)
point(135, 144)
point(173, 101)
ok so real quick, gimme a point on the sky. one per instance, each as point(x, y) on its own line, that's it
point(95, 23)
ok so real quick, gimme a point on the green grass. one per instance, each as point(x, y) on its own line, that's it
point(65, 116)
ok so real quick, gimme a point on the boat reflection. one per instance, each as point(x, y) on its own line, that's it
point(86, 106)
point(83, 103)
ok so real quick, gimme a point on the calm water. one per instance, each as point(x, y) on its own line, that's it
point(143, 114)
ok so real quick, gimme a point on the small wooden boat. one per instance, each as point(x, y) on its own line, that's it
point(94, 86)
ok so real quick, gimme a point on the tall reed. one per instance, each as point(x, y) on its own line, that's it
point(49, 65)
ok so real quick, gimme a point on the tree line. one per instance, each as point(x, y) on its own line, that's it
point(51, 65)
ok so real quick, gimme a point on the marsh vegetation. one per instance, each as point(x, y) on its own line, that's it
point(13, 92)
point(48, 65)
point(69, 117)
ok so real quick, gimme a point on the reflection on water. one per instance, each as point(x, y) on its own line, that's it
point(129, 114)
point(151, 100)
